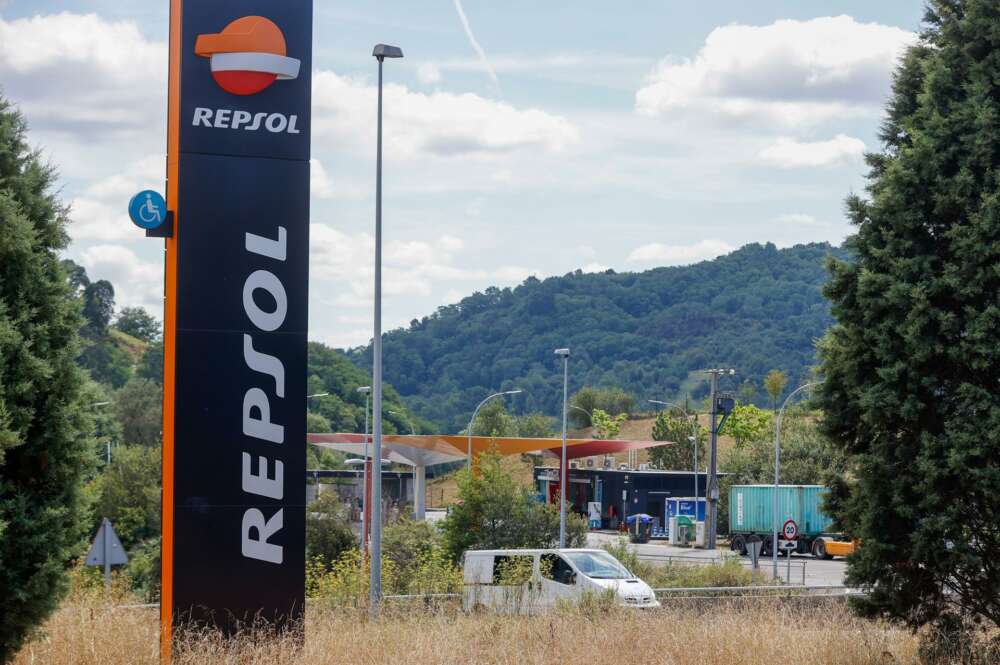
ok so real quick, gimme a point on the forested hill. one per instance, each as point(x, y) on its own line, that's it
point(756, 309)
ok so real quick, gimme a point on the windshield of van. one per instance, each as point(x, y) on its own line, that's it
point(598, 565)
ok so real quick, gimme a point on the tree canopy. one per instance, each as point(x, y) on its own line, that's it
point(910, 367)
point(757, 309)
point(45, 444)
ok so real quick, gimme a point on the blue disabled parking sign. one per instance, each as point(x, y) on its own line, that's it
point(147, 209)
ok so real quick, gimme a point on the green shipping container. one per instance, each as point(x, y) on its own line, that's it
point(750, 508)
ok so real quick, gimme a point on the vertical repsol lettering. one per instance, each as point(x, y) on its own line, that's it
point(257, 528)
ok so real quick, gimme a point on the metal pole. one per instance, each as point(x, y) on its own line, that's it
point(365, 505)
point(713, 481)
point(106, 529)
point(774, 498)
point(694, 433)
point(375, 581)
point(777, 477)
point(562, 466)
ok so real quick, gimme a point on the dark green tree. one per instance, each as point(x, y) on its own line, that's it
point(139, 323)
point(138, 406)
point(128, 493)
point(678, 429)
point(328, 528)
point(151, 363)
point(98, 306)
point(911, 366)
point(45, 425)
point(493, 420)
point(535, 426)
point(495, 511)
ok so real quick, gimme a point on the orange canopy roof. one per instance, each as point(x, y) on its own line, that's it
point(457, 445)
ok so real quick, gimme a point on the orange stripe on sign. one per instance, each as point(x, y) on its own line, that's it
point(170, 335)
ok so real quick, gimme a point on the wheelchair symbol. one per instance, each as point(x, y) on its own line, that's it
point(149, 213)
point(147, 209)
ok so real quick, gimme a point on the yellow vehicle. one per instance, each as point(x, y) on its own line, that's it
point(827, 547)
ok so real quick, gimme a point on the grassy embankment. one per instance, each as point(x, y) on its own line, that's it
point(91, 632)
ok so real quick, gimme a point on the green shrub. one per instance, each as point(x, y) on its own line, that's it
point(328, 529)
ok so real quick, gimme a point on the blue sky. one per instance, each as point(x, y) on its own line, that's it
point(587, 135)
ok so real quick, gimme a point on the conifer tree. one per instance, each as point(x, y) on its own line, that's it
point(912, 366)
point(44, 444)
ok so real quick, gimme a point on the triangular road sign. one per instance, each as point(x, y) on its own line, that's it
point(115, 552)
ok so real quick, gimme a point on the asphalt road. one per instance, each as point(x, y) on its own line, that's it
point(817, 571)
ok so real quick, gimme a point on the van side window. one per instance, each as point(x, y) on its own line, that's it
point(554, 567)
point(512, 570)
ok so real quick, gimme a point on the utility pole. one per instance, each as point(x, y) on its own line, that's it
point(712, 495)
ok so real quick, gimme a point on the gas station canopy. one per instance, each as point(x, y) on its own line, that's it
point(430, 449)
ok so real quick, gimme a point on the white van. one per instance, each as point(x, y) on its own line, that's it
point(529, 581)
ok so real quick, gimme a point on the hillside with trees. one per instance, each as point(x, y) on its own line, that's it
point(756, 309)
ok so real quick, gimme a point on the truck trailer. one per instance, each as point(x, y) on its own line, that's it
point(751, 509)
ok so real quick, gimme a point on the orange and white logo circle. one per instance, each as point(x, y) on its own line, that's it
point(248, 55)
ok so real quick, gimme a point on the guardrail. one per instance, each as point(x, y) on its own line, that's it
point(799, 565)
point(811, 591)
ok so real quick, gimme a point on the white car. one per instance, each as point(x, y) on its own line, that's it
point(530, 581)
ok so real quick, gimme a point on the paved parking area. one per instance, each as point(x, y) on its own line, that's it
point(817, 571)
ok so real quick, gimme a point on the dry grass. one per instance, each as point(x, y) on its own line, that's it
point(92, 633)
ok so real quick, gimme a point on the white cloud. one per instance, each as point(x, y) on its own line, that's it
point(662, 254)
point(595, 267)
point(101, 212)
point(410, 268)
point(441, 124)
point(428, 73)
point(798, 219)
point(789, 72)
point(513, 274)
point(790, 153)
point(320, 184)
point(74, 72)
point(136, 282)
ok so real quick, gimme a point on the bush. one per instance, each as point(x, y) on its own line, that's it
point(143, 570)
point(328, 529)
point(414, 562)
point(729, 572)
point(495, 511)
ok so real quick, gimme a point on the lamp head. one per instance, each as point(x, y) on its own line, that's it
point(562, 353)
point(365, 389)
point(385, 51)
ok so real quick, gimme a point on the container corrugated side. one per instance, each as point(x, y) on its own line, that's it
point(751, 506)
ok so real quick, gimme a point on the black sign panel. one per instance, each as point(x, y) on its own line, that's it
point(242, 298)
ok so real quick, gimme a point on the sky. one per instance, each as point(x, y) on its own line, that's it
point(521, 138)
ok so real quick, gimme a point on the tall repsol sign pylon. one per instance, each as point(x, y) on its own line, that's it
point(235, 313)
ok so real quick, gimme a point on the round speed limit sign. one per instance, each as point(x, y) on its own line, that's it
point(790, 530)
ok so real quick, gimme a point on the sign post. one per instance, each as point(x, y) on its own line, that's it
point(106, 550)
point(790, 531)
point(235, 314)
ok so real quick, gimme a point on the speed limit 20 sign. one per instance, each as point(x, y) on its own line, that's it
point(790, 530)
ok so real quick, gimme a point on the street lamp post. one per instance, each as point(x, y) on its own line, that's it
point(365, 505)
point(380, 52)
point(563, 475)
point(468, 459)
point(777, 476)
point(694, 444)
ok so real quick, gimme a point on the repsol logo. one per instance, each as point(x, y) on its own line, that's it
point(276, 123)
point(265, 475)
